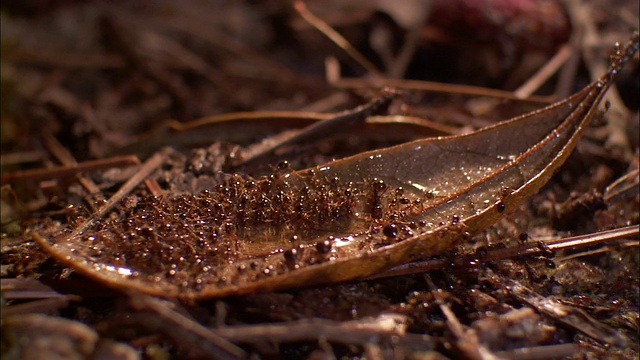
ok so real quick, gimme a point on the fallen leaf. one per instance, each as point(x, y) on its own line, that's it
point(346, 219)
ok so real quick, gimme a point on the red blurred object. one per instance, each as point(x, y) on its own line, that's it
point(525, 23)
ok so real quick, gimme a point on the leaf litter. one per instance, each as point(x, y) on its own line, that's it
point(341, 220)
point(376, 216)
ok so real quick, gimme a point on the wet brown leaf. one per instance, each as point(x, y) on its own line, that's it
point(342, 220)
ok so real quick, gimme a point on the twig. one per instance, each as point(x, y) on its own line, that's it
point(341, 121)
point(26, 289)
point(625, 184)
point(36, 289)
point(539, 352)
point(376, 330)
point(467, 341)
point(580, 17)
point(324, 128)
point(332, 101)
point(243, 127)
point(20, 157)
point(208, 343)
point(564, 314)
point(153, 187)
point(399, 66)
point(630, 243)
point(543, 74)
point(37, 306)
point(67, 171)
point(421, 85)
point(145, 169)
point(64, 156)
point(334, 36)
point(520, 250)
point(567, 76)
point(590, 239)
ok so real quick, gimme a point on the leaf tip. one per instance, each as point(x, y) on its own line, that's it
point(620, 55)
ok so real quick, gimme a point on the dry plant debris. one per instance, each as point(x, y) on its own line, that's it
point(274, 233)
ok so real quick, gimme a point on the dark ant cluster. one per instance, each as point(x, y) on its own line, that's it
point(255, 227)
point(394, 212)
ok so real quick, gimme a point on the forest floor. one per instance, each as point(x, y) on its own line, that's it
point(108, 104)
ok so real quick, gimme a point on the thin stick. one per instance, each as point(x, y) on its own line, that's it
point(67, 171)
point(627, 232)
point(334, 36)
point(64, 156)
point(73, 289)
point(26, 289)
point(521, 250)
point(153, 187)
point(567, 315)
point(467, 341)
point(581, 17)
point(37, 306)
point(567, 76)
point(544, 73)
point(411, 40)
point(145, 169)
point(20, 157)
point(632, 243)
point(622, 185)
point(539, 352)
point(324, 128)
point(244, 115)
point(420, 85)
point(209, 342)
point(348, 332)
